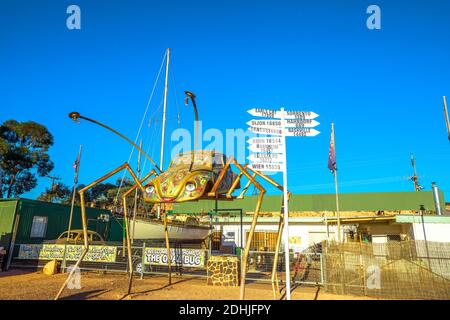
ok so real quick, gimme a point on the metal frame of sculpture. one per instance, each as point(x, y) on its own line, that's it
point(181, 183)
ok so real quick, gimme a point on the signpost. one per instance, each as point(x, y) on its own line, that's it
point(289, 123)
point(278, 114)
point(269, 153)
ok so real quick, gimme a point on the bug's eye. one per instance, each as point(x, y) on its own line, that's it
point(190, 187)
point(150, 189)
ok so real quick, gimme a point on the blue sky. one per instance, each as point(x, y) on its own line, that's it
point(382, 88)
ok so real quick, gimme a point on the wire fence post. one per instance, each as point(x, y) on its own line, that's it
point(321, 269)
point(143, 260)
point(63, 264)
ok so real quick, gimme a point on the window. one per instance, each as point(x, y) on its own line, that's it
point(39, 227)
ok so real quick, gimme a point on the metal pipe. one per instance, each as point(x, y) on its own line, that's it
point(136, 195)
point(166, 233)
point(192, 96)
point(422, 211)
point(437, 202)
point(84, 220)
point(85, 249)
point(75, 116)
point(128, 240)
point(252, 226)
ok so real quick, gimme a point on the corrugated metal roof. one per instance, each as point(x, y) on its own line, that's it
point(418, 219)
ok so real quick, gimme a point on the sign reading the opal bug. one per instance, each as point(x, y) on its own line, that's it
point(72, 252)
point(183, 257)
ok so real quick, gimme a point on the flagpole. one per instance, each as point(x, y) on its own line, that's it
point(447, 121)
point(75, 183)
point(336, 188)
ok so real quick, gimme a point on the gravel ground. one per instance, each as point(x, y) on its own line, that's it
point(23, 285)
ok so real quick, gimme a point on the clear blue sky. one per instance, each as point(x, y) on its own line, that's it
point(382, 88)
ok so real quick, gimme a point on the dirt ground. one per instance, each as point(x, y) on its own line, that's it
point(23, 285)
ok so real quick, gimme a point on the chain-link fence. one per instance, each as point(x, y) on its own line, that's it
point(305, 268)
point(152, 258)
point(394, 270)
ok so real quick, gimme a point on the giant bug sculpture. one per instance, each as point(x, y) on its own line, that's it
point(192, 176)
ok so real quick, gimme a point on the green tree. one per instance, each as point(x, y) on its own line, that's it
point(23, 156)
point(59, 193)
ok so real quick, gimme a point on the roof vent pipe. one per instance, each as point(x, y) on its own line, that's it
point(437, 203)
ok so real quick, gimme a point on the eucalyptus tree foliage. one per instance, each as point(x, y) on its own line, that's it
point(23, 156)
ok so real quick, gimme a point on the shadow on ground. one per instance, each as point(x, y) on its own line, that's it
point(85, 295)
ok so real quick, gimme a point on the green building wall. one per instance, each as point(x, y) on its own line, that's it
point(366, 201)
point(7, 215)
point(57, 222)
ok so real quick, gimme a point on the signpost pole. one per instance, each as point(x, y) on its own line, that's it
point(270, 154)
point(286, 211)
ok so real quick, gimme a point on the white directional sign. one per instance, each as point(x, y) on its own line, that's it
point(289, 132)
point(294, 123)
point(266, 113)
point(266, 157)
point(289, 123)
point(269, 167)
point(301, 132)
point(270, 131)
point(265, 140)
point(261, 147)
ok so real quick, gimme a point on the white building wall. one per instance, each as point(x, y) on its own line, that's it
point(439, 232)
point(307, 234)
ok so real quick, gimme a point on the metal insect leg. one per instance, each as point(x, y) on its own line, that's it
point(274, 278)
point(235, 184)
point(127, 228)
point(84, 219)
point(275, 285)
point(166, 233)
point(275, 282)
point(262, 191)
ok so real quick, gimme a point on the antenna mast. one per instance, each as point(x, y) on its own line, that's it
point(414, 178)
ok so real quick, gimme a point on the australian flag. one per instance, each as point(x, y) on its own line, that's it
point(76, 167)
point(332, 154)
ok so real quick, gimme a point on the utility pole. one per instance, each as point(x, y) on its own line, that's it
point(414, 178)
point(53, 178)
